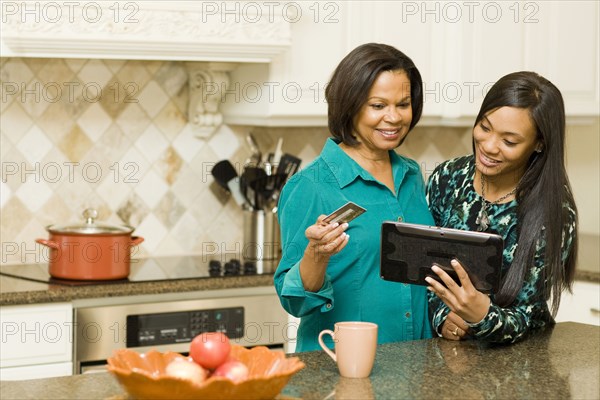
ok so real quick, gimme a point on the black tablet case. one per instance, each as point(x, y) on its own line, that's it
point(408, 251)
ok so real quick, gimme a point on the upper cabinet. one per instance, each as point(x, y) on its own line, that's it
point(556, 39)
point(268, 63)
point(461, 49)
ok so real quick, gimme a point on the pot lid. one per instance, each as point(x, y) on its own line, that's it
point(90, 226)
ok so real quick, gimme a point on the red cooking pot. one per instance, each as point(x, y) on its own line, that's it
point(90, 251)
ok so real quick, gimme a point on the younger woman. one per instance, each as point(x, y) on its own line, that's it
point(515, 185)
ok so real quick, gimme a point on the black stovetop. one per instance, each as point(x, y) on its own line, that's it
point(154, 269)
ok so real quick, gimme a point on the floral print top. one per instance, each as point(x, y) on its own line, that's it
point(454, 203)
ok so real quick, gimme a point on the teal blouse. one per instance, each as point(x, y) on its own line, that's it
point(353, 289)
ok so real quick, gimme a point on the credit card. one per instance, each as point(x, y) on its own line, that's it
point(345, 213)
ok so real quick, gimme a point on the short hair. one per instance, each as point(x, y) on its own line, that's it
point(352, 79)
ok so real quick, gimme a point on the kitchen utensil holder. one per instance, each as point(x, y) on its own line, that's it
point(262, 240)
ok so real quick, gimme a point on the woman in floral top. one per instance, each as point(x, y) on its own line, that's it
point(515, 185)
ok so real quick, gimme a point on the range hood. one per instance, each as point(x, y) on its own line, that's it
point(215, 37)
point(147, 30)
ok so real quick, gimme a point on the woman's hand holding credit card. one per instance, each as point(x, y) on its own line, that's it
point(327, 236)
point(345, 213)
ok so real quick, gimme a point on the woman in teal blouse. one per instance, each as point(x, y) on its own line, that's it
point(330, 272)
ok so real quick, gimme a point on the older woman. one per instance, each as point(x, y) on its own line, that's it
point(330, 272)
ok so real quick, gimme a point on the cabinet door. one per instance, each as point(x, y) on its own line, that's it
point(407, 27)
point(581, 306)
point(36, 334)
point(558, 40)
point(36, 371)
point(563, 46)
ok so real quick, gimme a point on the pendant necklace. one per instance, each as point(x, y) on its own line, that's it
point(483, 220)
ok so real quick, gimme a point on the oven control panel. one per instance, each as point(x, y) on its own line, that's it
point(183, 326)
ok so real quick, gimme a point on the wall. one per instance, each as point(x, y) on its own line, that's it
point(113, 135)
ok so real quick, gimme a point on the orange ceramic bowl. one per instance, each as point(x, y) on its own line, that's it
point(144, 377)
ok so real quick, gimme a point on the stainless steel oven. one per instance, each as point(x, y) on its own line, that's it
point(248, 320)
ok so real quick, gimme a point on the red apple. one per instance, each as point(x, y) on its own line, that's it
point(210, 349)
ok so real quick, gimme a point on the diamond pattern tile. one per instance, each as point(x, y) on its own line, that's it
point(75, 144)
point(224, 142)
point(34, 145)
point(17, 72)
point(14, 169)
point(132, 166)
point(114, 65)
point(169, 210)
point(186, 144)
point(153, 232)
point(94, 121)
point(133, 210)
point(151, 143)
point(95, 73)
point(55, 71)
point(151, 189)
point(152, 99)
point(55, 122)
point(186, 232)
point(15, 122)
point(36, 103)
point(169, 165)
point(114, 191)
point(5, 193)
point(26, 240)
point(172, 76)
point(76, 64)
point(133, 121)
point(170, 121)
point(33, 194)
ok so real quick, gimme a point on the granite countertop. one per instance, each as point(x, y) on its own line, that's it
point(15, 291)
point(560, 362)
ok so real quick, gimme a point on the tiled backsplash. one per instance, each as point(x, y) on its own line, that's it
point(113, 135)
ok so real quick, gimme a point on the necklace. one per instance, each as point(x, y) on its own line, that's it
point(483, 220)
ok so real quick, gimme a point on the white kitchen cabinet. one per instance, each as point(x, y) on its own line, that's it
point(37, 341)
point(582, 306)
point(559, 40)
point(281, 55)
point(36, 371)
point(461, 49)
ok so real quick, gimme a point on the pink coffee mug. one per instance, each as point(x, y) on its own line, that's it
point(355, 347)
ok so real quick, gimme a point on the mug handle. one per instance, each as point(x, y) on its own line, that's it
point(325, 348)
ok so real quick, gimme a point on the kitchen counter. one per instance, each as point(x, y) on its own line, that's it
point(560, 362)
point(16, 291)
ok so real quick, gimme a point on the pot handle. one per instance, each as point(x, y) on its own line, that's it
point(135, 240)
point(49, 243)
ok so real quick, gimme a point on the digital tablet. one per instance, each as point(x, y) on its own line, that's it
point(408, 251)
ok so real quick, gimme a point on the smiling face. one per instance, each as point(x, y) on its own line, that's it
point(384, 120)
point(504, 141)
